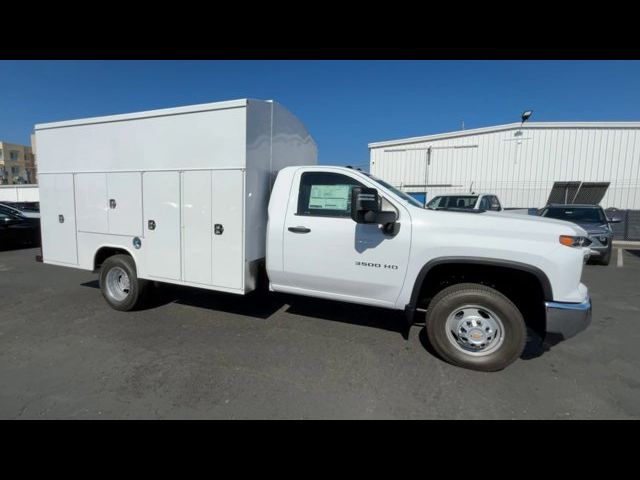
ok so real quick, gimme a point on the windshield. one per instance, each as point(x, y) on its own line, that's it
point(11, 212)
point(453, 201)
point(407, 198)
point(577, 215)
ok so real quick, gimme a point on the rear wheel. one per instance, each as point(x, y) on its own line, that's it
point(476, 327)
point(119, 283)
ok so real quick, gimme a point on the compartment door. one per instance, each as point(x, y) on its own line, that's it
point(125, 203)
point(228, 221)
point(161, 244)
point(58, 218)
point(197, 227)
point(91, 202)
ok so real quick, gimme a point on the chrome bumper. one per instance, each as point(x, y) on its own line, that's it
point(565, 320)
point(598, 251)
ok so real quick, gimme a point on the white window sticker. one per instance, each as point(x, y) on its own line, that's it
point(329, 197)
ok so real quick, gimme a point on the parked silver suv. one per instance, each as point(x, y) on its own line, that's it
point(593, 219)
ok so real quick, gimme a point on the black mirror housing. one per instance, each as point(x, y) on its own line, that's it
point(385, 218)
point(365, 207)
point(615, 220)
point(365, 204)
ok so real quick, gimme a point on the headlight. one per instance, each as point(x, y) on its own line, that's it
point(571, 241)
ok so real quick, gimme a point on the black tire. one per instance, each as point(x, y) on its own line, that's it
point(137, 287)
point(452, 298)
point(606, 259)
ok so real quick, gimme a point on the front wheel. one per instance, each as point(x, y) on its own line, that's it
point(119, 283)
point(606, 259)
point(476, 327)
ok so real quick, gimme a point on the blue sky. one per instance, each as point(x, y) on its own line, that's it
point(344, 104)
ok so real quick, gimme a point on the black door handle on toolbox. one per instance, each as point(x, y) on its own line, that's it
point(299, 229)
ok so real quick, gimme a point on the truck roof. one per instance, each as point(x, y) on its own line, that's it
point(468, 194)
point(202, 107)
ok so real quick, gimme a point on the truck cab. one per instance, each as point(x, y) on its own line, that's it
point(482, 278)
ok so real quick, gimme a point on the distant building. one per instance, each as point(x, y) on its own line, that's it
point(17, 164)
point(525, 165)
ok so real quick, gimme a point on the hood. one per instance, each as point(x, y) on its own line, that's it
point(537, 221)
point(509, 223)
point(594, 228)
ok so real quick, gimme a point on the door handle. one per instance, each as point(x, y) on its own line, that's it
point(151, 224)
point(299, 229)
point(218, 229)
point(112, 203)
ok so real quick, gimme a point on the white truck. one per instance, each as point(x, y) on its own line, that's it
point(211, 195)
point(471, 201)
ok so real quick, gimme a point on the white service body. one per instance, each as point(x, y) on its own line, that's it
point(167, 178)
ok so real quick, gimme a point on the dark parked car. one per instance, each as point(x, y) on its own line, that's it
point(17, 229)
point(29, 209)
point(593, 219)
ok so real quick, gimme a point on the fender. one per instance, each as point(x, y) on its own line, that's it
point(113, 247)
point(497, 262)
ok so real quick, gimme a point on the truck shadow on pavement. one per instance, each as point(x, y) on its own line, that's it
point(262, 304)
point(254, 305)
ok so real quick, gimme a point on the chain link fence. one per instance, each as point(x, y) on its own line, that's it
point(629, 227)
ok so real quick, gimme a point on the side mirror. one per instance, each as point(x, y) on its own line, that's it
point(615, 220)
point(364, 204)
point(365, 207)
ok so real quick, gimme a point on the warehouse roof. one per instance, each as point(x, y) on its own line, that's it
point(508, 126)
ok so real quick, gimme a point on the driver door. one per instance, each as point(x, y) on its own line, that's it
point(327, 254)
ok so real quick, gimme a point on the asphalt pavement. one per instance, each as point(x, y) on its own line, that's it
point(65, 354)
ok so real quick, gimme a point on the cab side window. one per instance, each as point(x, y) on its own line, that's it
point(495, 204)
point(325, 194)
point(435, 203)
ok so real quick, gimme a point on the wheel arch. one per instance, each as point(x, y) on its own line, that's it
point(542, 279)
point(106, 251)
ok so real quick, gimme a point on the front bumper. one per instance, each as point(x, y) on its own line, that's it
point(598, 251)
point(565, 320)
point(598, 248)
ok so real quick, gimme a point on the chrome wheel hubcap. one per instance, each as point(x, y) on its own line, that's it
point(118, 284)
point(475, 330)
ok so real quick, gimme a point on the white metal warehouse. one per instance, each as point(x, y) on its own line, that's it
point(518, 162)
